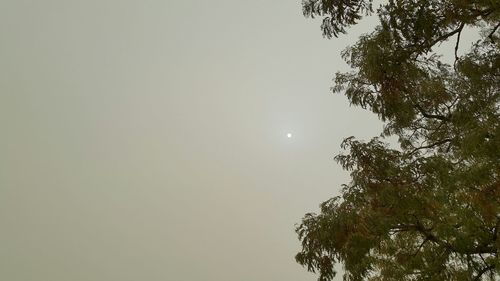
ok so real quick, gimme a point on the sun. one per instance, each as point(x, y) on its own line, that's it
point(289, 135)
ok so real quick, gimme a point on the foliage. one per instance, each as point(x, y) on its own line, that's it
point(429, 210)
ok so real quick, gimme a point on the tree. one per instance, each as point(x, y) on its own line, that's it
point(430, 209)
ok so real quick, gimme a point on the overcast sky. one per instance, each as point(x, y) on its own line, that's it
point(147, 140)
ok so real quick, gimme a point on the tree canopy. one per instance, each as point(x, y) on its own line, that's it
point(429, 209)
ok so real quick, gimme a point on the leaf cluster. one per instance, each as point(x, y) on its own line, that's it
point(429, 210)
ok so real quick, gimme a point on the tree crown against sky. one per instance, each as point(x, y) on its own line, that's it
point(429, 210)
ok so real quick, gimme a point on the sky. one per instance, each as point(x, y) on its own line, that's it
point(147, 140)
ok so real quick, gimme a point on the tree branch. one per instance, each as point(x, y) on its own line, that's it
point(446, 36)
point(493, 32)
point(483, 271)
point(434, 116)
point(458, 41)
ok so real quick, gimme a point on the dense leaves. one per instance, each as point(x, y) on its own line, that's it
point(429, 210)
point(338, 14)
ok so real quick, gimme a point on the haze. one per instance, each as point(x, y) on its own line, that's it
point(147, 140)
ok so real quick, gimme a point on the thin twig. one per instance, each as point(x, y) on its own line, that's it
point(431, 145)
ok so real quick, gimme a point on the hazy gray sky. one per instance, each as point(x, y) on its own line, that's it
point(146, 140)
